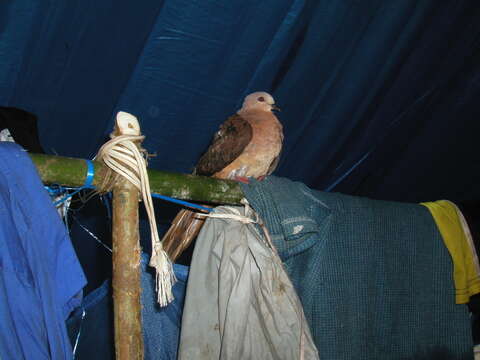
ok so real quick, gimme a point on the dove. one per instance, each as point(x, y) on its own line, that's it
point(247, 144)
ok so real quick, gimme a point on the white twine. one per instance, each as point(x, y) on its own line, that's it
point(123, 156)
point(244, 219)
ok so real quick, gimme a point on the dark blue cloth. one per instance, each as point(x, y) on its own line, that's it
point(372, 82)
point(40, 277)
point(374, 277)
point(161, 326)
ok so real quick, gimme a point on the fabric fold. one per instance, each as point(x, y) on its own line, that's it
point(41, 280)
point(458, 240)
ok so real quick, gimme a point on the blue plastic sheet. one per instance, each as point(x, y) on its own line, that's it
point(371, 91)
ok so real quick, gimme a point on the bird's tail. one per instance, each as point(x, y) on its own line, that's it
point(185, 227)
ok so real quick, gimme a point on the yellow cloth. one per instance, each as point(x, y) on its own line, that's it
point(458, 240)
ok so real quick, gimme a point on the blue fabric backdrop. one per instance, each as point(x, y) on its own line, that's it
point(379, 98)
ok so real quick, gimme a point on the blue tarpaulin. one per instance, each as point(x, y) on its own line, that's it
point(378, 98)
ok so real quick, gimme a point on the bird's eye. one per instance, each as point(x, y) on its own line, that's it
point(261, 98)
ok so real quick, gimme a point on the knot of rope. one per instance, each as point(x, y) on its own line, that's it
point(121, 155)
point(124, 157)
point(244, 219)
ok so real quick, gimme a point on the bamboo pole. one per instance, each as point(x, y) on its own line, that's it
point(72, 172)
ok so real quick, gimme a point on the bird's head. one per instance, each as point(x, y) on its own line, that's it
point(259, 101)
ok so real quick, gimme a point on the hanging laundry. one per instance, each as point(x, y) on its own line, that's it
point(240, 303)
point(374, 277)
point(471, 212)
point(459, 242)
point(91, 325)
point(40, 277)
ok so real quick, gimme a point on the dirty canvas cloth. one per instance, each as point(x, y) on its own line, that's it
point(240, 303)
point(374, 277)
point(40, 276)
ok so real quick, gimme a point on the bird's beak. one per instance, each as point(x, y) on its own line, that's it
point(275, 108)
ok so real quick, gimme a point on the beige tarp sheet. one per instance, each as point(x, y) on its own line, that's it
point(240, 303)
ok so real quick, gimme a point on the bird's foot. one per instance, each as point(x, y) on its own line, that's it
point(261, 178)
point(242, 179)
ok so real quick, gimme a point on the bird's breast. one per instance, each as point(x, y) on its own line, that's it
point(258, 155)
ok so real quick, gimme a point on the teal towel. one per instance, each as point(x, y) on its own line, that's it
point(374, 277)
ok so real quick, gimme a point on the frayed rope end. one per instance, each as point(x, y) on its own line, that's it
point(165, 277)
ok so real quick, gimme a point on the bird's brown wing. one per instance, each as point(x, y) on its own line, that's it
point(228, 143)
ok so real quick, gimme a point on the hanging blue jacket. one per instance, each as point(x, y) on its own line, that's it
point(374, 277)
point(40, 277)
point(91, 325)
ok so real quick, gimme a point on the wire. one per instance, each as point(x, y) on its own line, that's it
point(181, 202)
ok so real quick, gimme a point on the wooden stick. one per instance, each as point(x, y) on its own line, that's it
point(126, 272)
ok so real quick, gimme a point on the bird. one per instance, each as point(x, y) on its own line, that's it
point(247, 145)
